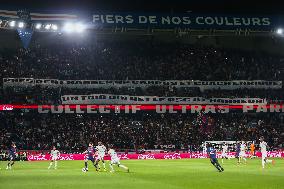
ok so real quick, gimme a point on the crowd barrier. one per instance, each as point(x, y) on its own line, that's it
point(41, 157)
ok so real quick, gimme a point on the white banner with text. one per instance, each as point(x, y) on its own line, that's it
point(126, 99)
point(89, 84)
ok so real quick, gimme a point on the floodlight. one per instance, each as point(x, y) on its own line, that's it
point(47, 26)
point(12, 23)
point(21, 24)
point(54, 27)
point(38, 26)
point(279, 31)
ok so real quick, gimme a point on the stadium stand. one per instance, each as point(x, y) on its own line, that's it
point(130, 60)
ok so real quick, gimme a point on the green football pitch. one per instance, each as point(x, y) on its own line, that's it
point(145, 174)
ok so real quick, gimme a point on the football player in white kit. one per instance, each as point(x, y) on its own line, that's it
point(114, 159)
point(204, 148)
point(54, 156)
point(242, 155)
point(101, 151)
point(224, 152)
point(263, 148)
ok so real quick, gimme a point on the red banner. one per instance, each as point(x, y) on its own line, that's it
point(40, 157)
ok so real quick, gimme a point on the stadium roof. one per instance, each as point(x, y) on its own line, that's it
point(208, 6)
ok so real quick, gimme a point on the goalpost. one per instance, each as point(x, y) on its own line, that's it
point(218, 145)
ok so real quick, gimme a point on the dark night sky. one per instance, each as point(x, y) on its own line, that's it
point(201, 6)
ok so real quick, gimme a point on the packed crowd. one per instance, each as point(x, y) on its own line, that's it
point(138, 60)
point(144, 130)
point(135, 60)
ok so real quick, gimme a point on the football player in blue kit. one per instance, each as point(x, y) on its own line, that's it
point(12, 156)
point(90, 153)
point(213, 158)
